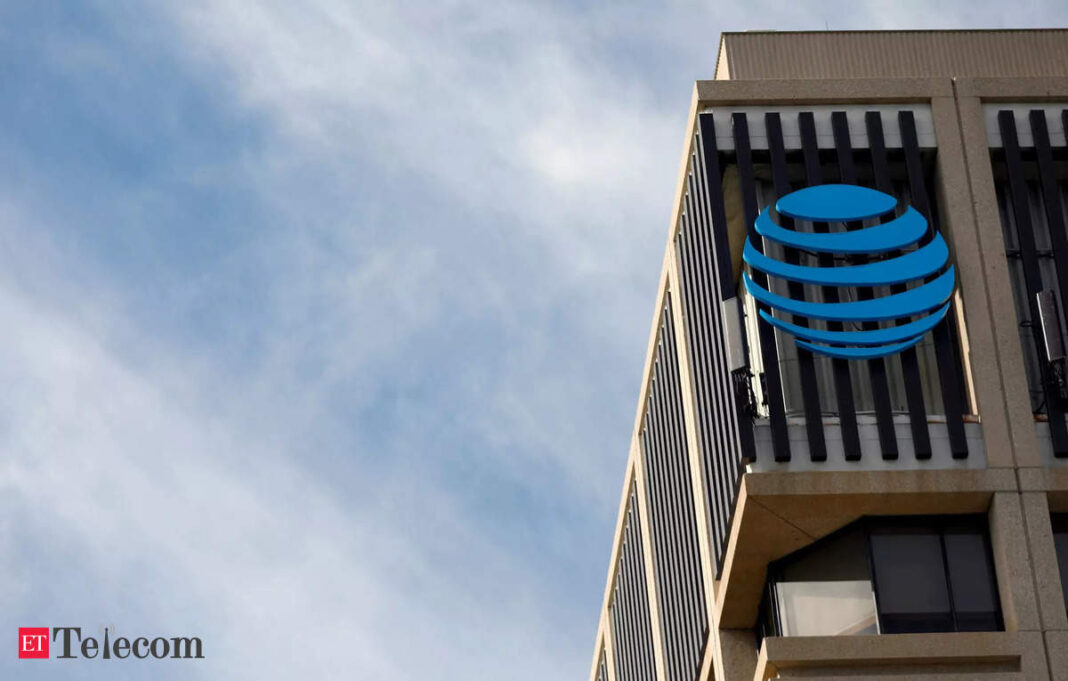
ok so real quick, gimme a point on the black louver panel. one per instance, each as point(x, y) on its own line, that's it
point(1032, 196)
point(632, 633)
point(679, 582)
point(724, 429)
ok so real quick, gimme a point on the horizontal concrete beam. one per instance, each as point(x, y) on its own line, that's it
point(797, 92)
point(947, 657)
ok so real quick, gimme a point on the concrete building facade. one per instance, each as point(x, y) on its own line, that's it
point(790, 515)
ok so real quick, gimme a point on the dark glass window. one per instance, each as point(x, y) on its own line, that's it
point(971, 572)
point(1060, 540)
point(911, 578)
point(888, 575)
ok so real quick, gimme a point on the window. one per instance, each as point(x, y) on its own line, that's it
point(1060, 540)
point(970, 572)
point(890, 576)
point(828, 592)
point(914, 595)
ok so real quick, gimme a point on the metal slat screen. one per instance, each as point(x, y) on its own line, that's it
point(679, 583)
point(742, 161)
point(631, 628)
point(723, 425)
point(602, 668)
point(1031, 181)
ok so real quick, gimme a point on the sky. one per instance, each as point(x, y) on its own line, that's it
point(323, 322)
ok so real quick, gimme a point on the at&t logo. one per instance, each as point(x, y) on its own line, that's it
point(839, 203)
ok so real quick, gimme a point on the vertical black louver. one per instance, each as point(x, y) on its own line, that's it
point(910, 367)
point(945, 334)
point(840, 368)
point(772, 378)
point(810, 396)
point(723, 406)
point(1032, 189)
point(679, 582)
point(632, 632)
point(877, 369)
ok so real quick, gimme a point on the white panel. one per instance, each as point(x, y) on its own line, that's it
point(827, 608)
point(858, 135)
point(1023, 124)
point(871, 454)
point(732, 332)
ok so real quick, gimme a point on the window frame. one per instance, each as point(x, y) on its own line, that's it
point(769, 619)
point(1060, 520)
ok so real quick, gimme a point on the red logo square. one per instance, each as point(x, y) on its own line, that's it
point(33, 642)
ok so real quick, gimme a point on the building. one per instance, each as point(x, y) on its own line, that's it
point(791, 515)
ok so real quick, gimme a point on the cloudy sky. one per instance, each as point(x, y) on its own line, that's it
point(323, 324)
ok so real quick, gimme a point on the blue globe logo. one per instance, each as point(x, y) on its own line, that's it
point(927, 303)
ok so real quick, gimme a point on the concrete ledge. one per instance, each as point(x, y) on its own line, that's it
point(1033, 89)
point(841, 91)
point(871, 450)
point(980, 655)
point(778, 513)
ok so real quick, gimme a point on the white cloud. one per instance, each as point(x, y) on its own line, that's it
point(219, 532)
point(463, 212)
